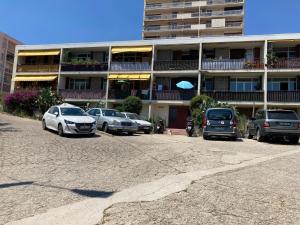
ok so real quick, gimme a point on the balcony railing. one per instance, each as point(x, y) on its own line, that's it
point(38, 68)
point(285, 64)
point(176, 65)
point(130, 66)
point(120, 94)
point(84, 67)
point(284, 96)
point(169, 5)
point(180, 27)
point(174, 95)
point(227, 24)
point(83, 94)
point(219, 13)
point(221, 2)
point(231, 64)
point(255, 96)
point(161, 17)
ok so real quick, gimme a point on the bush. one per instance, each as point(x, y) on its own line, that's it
point(46, 99)
point(133, 104)
point(21, 103)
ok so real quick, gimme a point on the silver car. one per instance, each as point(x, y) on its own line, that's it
point(110, 120)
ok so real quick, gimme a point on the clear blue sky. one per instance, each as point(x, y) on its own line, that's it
point(59, 21)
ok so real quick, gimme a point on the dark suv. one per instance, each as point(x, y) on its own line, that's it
point(270, 124)
point(220, 122)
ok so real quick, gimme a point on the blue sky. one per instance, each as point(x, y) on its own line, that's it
point(60, 21)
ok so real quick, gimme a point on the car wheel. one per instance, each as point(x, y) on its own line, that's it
point(130, 133)
point(147, 132)
point(44, 126)
point(92, 135)
point(205, 137)
point(105, 128)
point(294, 140)
point(60, 130)
point(259, 138)
point(248, 135)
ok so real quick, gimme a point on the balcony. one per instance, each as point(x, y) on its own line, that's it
point(37, 68)
point(174, 95)
point(130, 66)
point(173, 5)
point(176, 65)
point(285, 64)
point(227, 96)
point(181, 27)
point(284, 96)
point(83, 94)
point(231, 64)
point(84, 67)
point(121, 95)
point(161, 17)
point(227, 25)
point(219, 13)
point(222, 2)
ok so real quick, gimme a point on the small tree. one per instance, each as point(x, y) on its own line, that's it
point(133, 104)
point(48, 98)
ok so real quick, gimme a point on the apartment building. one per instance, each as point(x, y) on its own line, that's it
point(249, 72)
point(192, 18)
point(7, 52)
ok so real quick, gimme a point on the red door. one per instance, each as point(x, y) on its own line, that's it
point(178, 116)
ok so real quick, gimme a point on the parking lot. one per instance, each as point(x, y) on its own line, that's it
point(42, 171)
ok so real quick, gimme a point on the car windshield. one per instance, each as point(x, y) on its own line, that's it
point(72, 112)
point(219, 114)
point(282, 115)
point(133, 116)
point(112, 113)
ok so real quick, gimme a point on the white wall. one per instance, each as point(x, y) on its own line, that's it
point(161, 111)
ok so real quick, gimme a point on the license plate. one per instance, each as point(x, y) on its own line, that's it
point(84, 127)
point(285, 124)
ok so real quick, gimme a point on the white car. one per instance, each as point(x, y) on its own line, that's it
point(143, 125)
point(69, 119)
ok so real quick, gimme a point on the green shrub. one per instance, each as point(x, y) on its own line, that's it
point(46, 99)
point(133, 104)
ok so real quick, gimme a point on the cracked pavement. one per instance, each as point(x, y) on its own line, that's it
point(40, 171)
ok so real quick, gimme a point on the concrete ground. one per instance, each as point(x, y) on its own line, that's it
point(41, 171)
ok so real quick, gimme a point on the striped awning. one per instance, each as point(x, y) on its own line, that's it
point(129, 77)
point(39, 53)
point(116, 50)
point(35, 78)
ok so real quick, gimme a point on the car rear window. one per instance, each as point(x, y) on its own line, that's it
point(282, 115)
point(219, 114)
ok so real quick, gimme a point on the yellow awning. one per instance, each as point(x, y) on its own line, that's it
point(116, 50)
point(39, 53)
point(35, 78)
point(129, 76)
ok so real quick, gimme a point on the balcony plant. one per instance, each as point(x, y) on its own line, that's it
point(272, 60)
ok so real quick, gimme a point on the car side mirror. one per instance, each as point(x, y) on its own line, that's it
point(56, 114)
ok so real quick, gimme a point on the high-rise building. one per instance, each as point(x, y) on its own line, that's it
point(193, 18)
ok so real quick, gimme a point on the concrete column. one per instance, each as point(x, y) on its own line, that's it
point(107, 80)
point(12, 85)
point(151, 82)
point(199, 68)
point(265, 77)
point(199, 83)
point(59, 70)
point(4, 65)
point(150, 111)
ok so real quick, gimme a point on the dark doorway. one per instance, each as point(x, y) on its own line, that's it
point(178, 116)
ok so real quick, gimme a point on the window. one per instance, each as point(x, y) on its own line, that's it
point(244, 84)
point(79, 84)
point(287, 53)
point(55, 110)
point(72, 112)
point(219, 114)
point(282, 84)
point(282, 115)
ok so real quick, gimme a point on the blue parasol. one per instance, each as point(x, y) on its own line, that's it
point(185, 85)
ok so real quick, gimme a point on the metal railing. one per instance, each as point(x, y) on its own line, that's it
point(84, 67)
point(174, 95)
point(83, 94)
point(169, 27)
point(231, 64)
point(130, 66)
point(177, 65)
point(169, 5)
point(37, 68)
point(218, 13)
point(285, 64)
point(221, 2)
point(120, 94)
point(255, 96)
point(284, 96)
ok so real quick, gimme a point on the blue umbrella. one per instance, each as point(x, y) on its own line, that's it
point(185, 85)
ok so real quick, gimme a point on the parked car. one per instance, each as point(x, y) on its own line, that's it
point(143, 125)
point(270, 124)
point(110, 120)
point(69, 119)
point(220, 122)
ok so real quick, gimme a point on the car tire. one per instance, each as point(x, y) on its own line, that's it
point(294, 140)
point(105, 128)
point(60, 130)
point(147, 132)
point(44, 126)
point(205, 137)
point(92, 135)
point(259, 138)
point(130, 133)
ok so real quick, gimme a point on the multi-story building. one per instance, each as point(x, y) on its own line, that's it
point(249, 72)
point(193, 18)
point(7, 52)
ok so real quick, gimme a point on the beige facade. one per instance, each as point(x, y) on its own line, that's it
point(7, 51)
point(193, 18)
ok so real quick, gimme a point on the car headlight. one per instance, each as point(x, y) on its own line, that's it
point(69, 122)
point(115, 122)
